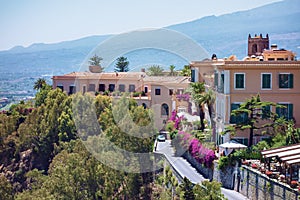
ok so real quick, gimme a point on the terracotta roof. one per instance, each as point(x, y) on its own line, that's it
point(167, 79)
point(125, 75)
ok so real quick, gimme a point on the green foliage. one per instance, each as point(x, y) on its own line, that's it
point(186, 71)
point(172, 72)
point(253, 110)
point(47, 135)
point(39, 84)
point(187, 189)
point(208, 191)
point(155, 70)
point(122, 65)
point(42, 94)
point(223, 162)
point(6, 189)
point(95, 60)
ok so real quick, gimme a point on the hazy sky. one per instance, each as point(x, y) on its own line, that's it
point(23, 22)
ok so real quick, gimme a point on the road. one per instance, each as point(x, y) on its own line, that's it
point(184, 168)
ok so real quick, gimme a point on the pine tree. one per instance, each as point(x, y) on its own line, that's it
point(122, 65)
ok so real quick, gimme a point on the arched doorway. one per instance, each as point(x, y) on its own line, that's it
point(164, 109)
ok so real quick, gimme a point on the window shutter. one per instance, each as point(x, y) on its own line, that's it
point(278, 111)
point(233, 119)
point(290, 110)
point(216, 79)
point(192, 75)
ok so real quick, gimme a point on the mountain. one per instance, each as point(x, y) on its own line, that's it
point(223, 35)
point(227, 34)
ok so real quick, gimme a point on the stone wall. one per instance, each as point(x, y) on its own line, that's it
point(225, 176)
point(206, 172)
point(258, 186)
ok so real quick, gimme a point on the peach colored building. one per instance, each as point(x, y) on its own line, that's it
point(156, 92)
point(276, 80)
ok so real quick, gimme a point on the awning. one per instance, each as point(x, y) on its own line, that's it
point(280, 149)
point(233, 145)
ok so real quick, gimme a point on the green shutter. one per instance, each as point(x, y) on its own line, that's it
point(291, 80)
point(216, 79)
point(290, 110)
point(278, 111)
point(234, 106)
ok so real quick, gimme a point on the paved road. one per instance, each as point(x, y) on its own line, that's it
point(184, 168)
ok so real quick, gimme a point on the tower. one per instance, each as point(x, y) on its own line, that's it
point(257, 44)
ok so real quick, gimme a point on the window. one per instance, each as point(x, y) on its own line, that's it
point(111, 87)
point(91, 88)
point(101, 87)
point(164, 109)
point(61, 87)
point(122, 88)
point(239, 81)
point(241, 118)
point(131, 88)
point(266, 112)
point(266, 81)
point(84, 89)
point(286, 80)
point(192, 75)
point(146, 89)
point(243, 141)
point(286, 111)
point(171, 91)
point(72, 89)
point(157, 91)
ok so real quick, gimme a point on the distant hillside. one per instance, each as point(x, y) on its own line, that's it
point(224, 35)
point(227, 34)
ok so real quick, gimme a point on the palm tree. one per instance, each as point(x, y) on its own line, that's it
point(39, 84)
point(197, 90)
point(155, 70)
point(186, 71)
point(209, 99)
point(172, 67)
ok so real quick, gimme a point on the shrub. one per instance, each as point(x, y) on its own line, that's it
point(203, 155)
point(223, 162)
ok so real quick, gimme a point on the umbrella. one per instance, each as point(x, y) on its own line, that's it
point(232, 145)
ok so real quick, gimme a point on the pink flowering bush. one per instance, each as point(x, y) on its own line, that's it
point(186, 142)
point(177, 120)
point(185, 97)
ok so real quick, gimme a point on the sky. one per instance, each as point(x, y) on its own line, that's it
point(24, 22)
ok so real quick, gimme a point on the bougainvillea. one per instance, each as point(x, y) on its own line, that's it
point(185, 97)
point(174, 117)
point(201, 154)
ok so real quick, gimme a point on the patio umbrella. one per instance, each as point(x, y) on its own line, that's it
point(232, 145)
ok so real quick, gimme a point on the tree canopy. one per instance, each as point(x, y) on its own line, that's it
point(95, 60)
point(122, 64)
point(155, 70)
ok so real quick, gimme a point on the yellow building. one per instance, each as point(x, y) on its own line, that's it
point(156, 92)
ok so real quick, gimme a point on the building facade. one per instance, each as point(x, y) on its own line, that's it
point(155, 92)
point(275, 80)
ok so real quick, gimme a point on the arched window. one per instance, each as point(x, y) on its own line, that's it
point(254, 48)
point(164, 109)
